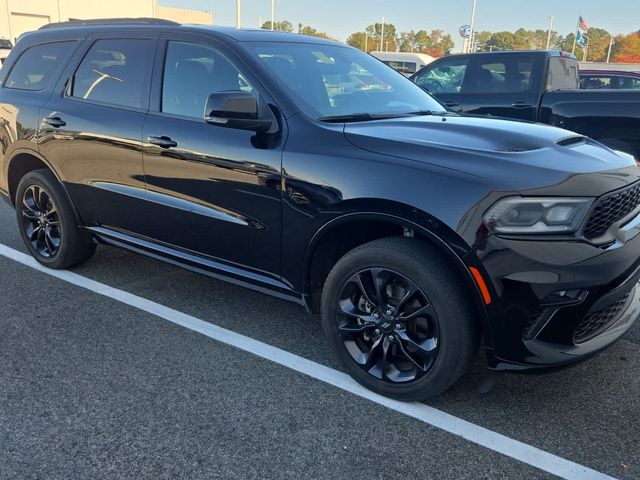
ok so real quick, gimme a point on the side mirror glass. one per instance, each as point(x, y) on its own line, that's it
point(235, 109)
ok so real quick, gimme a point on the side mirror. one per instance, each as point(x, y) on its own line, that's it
point(235, 109)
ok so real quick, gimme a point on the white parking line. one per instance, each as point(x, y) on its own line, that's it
point(474, 433)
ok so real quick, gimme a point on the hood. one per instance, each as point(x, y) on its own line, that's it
point(487, 147)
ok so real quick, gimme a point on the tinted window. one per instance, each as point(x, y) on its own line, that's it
point(595, 82)
point(114, 72)
point(446, 76)
point(504, 75)
point(330, 80)
point(563, 73)
point(192, 72)
point(36, 66)
point(609, 81)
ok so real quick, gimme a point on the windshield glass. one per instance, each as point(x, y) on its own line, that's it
point(334, 81)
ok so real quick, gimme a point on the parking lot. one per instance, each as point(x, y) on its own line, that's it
point(101, 383)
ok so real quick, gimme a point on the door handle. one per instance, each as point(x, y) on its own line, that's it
point(452, 104)
point(163, 141)
point(55, 122)
point(521, 105)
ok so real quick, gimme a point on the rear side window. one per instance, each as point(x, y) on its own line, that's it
point(445, 77)
point(563, 74)
point(37, 65)
point(114, 71)
point(506, 75)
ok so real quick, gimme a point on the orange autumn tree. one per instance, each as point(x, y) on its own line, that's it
point(627, 48)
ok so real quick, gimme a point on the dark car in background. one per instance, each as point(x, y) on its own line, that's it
point(417, 233)
point(539, 86)
point(607, 79)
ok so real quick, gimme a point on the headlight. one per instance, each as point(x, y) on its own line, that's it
point(516, 215)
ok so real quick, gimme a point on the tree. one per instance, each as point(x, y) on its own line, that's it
point(359, 40)
point(627, 48)
point(388, 42)
point(283, 26)
point(308, 30)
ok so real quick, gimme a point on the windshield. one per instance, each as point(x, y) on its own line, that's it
point(328, 81)
point(5, 43)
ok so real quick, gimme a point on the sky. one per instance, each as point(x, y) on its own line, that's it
point(339, 18)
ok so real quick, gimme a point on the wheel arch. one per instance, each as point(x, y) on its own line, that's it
point(25, 160)
point(322, 252)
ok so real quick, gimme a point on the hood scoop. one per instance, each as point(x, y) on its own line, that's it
point(571, 141)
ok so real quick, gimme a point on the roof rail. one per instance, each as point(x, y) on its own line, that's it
point(110, 21)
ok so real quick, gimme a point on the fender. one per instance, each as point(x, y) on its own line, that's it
point(427, 231)
point(35, 154)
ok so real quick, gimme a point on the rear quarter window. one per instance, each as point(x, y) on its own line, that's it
point(37, 65)
point(562, 74)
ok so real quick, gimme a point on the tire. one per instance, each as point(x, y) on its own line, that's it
point(47, 222)
point(434, 327)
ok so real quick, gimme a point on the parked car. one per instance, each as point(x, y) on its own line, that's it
point(540, 86)
point(406, 63)
point(607, 79)
point(417, 233)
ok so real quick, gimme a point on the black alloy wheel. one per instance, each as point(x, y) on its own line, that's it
point(400, 318)
point(388, 325)
point(48, 222)
point(41, 221)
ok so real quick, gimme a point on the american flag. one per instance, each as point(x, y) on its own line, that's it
point(583, 24)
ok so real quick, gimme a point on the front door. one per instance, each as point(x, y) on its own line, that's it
point(215, 190)
point(446, 80)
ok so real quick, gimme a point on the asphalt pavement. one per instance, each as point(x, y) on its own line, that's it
point(91, 387)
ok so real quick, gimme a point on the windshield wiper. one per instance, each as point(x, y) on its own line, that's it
point(358, 117)
point(429, 112)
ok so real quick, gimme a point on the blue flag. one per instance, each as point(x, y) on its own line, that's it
point(581, 38)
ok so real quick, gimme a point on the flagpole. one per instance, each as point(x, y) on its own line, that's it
point(575, 38)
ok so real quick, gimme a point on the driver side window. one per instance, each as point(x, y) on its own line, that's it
point(445, 77)
point(192, 72)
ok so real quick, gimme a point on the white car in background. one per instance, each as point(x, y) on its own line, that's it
point(406, 63)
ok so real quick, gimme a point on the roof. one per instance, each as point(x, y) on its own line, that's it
point(546, 53)
point(238, 34)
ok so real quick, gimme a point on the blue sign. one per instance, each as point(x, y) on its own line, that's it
point(465, 31)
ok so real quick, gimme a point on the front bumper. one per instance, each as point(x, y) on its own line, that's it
point(559, 302)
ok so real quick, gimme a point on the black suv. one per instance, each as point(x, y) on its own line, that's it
point(309, 170)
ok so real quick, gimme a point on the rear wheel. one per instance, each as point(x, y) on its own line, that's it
point(47, 222)
point(398, 318)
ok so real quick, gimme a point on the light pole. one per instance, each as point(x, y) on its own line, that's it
point(273, 14)
point(610, 46)
point(472, 25)
point(237, 13)
point(366, 42)
point(549, 33)
point(382, 35)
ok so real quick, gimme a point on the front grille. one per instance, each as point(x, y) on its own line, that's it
point(612, 208)
point(597, 322)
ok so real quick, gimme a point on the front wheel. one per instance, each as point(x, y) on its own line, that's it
point(398, 318)
point(47, 222)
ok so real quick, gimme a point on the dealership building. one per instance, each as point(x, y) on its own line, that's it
point(19, 16)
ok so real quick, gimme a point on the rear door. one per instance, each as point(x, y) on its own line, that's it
point(504, 85)
point(91, 128)
point(447, 80)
